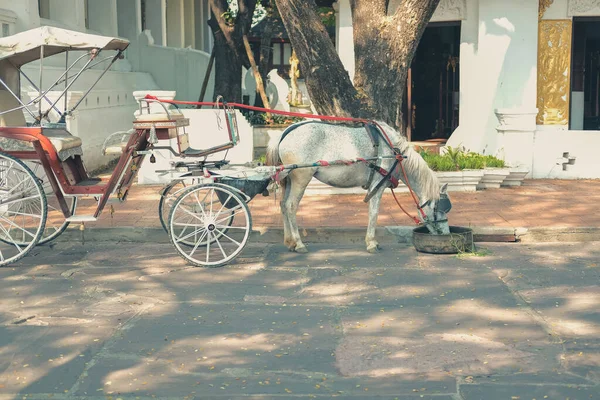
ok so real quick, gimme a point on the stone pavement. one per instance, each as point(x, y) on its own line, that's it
point(538, 203)
point(129, 320)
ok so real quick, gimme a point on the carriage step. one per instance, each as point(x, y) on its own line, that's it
point(82, 218)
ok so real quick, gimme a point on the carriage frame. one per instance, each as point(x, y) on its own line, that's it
point(61, 174)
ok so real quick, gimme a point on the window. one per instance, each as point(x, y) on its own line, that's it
point(44, 8)
point(7, 22)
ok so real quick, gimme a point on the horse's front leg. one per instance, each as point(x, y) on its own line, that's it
point(372, 244)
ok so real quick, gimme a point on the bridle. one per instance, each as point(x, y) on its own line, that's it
point(443, 205)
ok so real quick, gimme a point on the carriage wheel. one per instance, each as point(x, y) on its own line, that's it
point(168, 196)
point(23, 209)
point(202, 214)
point(55, 222)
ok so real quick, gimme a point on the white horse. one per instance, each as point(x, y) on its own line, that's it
point(310, 141)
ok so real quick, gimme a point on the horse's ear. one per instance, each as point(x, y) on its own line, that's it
point(444, 189)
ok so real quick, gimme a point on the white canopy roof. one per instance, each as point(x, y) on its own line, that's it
point(24, 47)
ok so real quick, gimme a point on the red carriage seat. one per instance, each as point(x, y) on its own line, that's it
point(66, 145)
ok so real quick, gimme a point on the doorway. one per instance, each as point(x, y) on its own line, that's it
point(432, 97)
point(585, 79)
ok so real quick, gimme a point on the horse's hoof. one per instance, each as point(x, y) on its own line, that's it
point(301, 249)
point(374, 248)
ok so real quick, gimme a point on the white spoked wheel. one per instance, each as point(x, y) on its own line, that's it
point(23, 209)
point(55, 222)
point(168, 196)
point(203, 215)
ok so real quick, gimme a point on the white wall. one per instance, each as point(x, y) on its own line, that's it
point(204, 132)
point(548, 145)
point(181, 70)
point(106, 112)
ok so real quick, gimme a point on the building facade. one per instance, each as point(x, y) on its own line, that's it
point(170, 46)
point(519, 79)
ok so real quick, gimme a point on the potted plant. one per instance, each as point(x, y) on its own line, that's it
point(455, 169)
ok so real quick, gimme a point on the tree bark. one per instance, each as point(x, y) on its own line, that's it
point(384, 47)
point(327, 81)
point(260, 87)
point(228, 66)
point(265, 51)
point(211, 61)
point(230, 54)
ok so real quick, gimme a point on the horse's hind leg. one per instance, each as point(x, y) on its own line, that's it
point(299, 180)
point(372, 244)
point(285, 193)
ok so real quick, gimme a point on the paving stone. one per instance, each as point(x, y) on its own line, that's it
point(234, 336)
point(336, 322)
point(418, 340)
point(161, 378)
point(519, 391)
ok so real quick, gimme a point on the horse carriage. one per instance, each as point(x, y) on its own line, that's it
point(204, 209)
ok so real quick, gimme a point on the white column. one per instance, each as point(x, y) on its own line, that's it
point(498, 62)
point(344, 35)
point(189, 25)
point(175, 23)
point(199, 24)
point(156, 20)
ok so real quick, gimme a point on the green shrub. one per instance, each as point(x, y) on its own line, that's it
point(493, 162)
point(471, 161)
point(457, 159)
point(439, 162)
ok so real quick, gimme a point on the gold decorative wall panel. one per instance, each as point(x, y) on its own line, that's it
point(554, 72)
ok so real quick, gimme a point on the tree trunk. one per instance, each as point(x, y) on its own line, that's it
point(230, 54)
point(228, 67)
point(328, 83)
point(384, 47)
point(265, 52)
point(211, 61)
point(260, 87)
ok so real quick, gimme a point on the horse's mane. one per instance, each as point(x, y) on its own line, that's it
point(422, 179)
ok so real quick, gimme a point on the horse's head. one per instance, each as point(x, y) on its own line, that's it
point(435, 211)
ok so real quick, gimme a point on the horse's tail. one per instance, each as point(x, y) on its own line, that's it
point(273, 151)
point(272, 158)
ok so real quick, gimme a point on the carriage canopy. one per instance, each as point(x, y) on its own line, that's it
point(24, 47)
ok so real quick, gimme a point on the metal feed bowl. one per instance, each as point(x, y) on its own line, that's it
point(460, 240)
